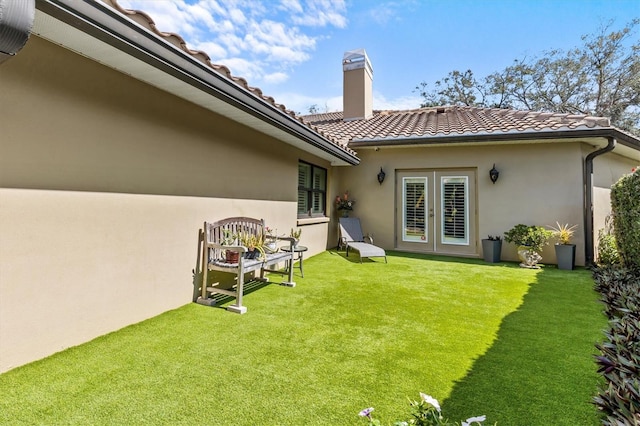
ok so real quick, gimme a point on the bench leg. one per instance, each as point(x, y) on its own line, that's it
point(205, 271)
point(237, 307)
point(290, 283)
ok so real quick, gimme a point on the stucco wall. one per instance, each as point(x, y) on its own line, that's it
point(105, 182)
point(539, 184)
point(607, 169)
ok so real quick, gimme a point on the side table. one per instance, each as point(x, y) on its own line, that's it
point(300, 254)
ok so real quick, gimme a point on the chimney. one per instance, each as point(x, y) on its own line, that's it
point(357, 96)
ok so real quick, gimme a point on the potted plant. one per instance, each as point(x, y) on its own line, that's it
point(271, 240)
point(344, 203)
point(530, 240)
point(295, 234)
point(492, 248)
point(565, 251)
point(254, 244)
point(229, 238)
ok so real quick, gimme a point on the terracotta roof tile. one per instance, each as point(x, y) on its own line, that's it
point(447, 121)
point(147, 22)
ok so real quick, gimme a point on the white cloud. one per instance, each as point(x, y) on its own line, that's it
point(276, 78)
point(255, 40)
point(261, 42)
point(278, 42)
point(214, 50)
point(237, 16)
point(321, 13)
point(291, 6)
point(382, 13)
point(241, 67)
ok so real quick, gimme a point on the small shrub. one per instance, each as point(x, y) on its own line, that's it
point(607, 248)
point(534, 237)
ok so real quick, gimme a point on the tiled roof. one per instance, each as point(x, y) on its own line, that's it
point(448, 121)
point(147, 22)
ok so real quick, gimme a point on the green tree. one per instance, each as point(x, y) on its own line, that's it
point(601, 78)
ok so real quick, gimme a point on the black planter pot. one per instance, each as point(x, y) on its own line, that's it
point(491, 250)
point(566, 256)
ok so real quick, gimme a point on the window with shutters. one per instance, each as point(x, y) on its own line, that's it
point(312, 190)
point(454, 210)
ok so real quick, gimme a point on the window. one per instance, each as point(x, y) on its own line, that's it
point(312, 190)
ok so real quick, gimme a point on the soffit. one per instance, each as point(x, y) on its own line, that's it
point(199, 85)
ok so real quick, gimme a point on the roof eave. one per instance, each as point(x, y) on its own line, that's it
point(106, 25)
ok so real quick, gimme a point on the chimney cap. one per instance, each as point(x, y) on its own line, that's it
point(356, 59)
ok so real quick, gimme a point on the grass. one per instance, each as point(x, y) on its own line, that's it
point(494, 339)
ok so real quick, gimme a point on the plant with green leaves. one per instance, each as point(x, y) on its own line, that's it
point(597, 77)
point(229, 237)
point(625, 204)
point(619, 359)
point(607, 248)
point(533, 237)
point(254, 242)
point(564, 233)
point(425, 412)
point(295, 233)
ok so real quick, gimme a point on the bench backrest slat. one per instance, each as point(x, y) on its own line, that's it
point(214, 231)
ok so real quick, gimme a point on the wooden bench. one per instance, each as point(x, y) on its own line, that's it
point(213, 258)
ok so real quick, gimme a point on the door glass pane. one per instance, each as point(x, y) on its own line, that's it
point(413, 208)
point(454, 210)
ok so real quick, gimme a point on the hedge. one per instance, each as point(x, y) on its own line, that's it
point(625, 203)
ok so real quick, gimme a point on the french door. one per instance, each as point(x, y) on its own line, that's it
point(435, 211)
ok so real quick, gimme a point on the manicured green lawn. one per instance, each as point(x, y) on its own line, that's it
point(516, 345)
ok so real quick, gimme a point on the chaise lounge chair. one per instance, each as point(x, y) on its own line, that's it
point(351, 238)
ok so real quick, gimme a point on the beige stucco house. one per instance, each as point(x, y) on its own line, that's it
point(437, 196)
point(117, 141)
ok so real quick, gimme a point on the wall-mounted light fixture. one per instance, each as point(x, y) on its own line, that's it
point(381, 176)
point(493, 174)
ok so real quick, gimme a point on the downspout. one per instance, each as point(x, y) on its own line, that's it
point(588, 199)
point(16, 22)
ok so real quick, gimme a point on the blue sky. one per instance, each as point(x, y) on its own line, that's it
point(292, 49)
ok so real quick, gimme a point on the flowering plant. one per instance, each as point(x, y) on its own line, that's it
point(344, 203)
point(425, 412)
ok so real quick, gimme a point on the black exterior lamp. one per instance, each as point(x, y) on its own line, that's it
point(493, 174)
point(381, 176)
